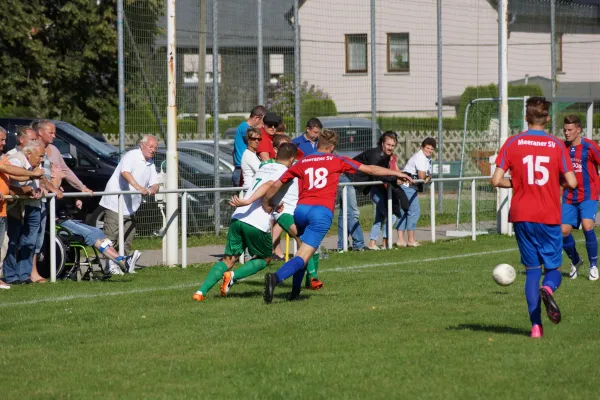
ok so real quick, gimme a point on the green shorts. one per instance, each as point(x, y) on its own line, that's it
point(286, 221)
point(244, 236)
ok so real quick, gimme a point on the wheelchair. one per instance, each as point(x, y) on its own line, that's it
point(75, 260)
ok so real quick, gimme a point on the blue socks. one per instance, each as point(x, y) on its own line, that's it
point(298, 277)
point(569, 247)
point(289, 268)
point(532, 294)
point(552, 279)
point(591, 244)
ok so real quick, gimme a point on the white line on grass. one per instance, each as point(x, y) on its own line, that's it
point(187, 285)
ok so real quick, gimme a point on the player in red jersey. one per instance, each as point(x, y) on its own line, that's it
point(535, 161)
point(318, 176)
point(580, 205)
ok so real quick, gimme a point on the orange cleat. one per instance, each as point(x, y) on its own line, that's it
point(315, 284)
point(227, 283)
point(198, 296)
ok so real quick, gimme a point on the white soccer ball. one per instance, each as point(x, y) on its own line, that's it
point(504, 274)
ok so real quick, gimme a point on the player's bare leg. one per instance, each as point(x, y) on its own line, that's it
point(571, 250)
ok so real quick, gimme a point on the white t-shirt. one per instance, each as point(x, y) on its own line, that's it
point(288, 194)
point(18, 159)
point(250, 164)
point(144, 173)
point(419, 162)
point(254, 214)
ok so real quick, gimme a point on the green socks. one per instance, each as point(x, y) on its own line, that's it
point(250, 268)
point(312, 268)
point(214, 275)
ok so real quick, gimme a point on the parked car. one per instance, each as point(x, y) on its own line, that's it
point(205, 151)
point(355, 134)
point(229, 133)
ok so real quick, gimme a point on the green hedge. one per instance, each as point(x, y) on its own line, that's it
point(398, 124)
point(314, 108)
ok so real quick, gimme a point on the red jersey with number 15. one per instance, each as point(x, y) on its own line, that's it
point(318, 177)
point(535, 161)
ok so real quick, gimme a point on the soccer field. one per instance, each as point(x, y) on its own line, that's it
point(414, 323)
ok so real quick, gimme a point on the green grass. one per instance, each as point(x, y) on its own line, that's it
point(389, 324)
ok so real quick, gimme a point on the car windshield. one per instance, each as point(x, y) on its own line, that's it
point(99, 148)
point(353, 139)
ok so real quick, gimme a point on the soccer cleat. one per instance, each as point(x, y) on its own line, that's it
point(537, 331)
point(198, 296)
point(314, 284)
point(227, 283)
point(593, 276)
point(270, 282)
point(552, 309)
point(575, 268)
point(295, 293)
point(130, 262)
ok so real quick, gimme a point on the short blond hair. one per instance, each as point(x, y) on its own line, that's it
point(328, 138)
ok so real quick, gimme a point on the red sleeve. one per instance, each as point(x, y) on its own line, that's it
point(266, 145)
point(595, 152)
point(349, 165)
point(293, 172)
point(299, 154)
point(502, 160)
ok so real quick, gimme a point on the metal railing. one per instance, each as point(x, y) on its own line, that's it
point(184, 207)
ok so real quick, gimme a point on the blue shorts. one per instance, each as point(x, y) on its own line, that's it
point(313, 223)
point(539, 244)
point(572, 214)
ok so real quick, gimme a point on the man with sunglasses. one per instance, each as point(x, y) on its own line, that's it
point(265, 150)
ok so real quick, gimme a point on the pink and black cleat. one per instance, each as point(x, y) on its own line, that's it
point(537, 331)
point(552, 309)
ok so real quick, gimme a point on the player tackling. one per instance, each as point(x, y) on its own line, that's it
point(318, 176)
point(579, 205)
point(535, 161)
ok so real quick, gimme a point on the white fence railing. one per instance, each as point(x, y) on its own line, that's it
point(184, 206)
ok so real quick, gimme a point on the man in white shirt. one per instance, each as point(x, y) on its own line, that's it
point(419, 166)
point(136, 171)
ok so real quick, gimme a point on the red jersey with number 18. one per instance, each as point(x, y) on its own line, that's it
point(535, 161)
point(318, 177)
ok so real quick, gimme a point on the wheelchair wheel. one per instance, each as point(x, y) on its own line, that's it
point(43, 263)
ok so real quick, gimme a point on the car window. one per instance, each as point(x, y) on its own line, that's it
point(99, 148)
point(84, 161)
point(353, 139)
point(207, 158)
point(62, 145)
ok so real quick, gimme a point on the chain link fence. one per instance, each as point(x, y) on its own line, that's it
point(344, 81)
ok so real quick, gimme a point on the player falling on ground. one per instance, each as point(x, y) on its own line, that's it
point(250, 229)
point(318, 176)
point(535, 161)
point(579, 205)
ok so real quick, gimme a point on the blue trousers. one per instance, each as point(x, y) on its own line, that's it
point(379, 197)
point(408, 219)
point(22, 239)
point(354, 230)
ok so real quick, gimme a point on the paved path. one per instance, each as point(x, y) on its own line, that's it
point(210, 254)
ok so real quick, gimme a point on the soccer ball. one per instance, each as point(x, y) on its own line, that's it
point(504, 274)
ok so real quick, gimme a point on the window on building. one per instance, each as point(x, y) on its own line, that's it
point(559, 52)
point(397, 52)
point(356, 53)
point(276, 67)
point(190, 68)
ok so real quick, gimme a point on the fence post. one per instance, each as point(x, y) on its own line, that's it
point(259, 48)
point(373, 77)
point(345, 217)
point(121, 227)
point(184, 204)
point(296, 68)
point(589, 121)
point(407, 146)
point(389, 217)
point(432, 210)
point(473, 211)
point(52, 244)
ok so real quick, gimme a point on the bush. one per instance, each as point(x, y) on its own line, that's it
point(318, 108)
point(282, 99)
point(415, 124)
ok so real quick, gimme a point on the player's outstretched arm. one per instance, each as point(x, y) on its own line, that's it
point(275, 186)
point(498, 179)
point(380, 171)
point(260, 192)
point(570, 180)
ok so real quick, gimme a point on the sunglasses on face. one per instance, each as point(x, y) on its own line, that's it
point(255, 138)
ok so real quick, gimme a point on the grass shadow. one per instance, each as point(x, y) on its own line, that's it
point(489, 328)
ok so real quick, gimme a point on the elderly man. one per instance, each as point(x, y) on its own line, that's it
point(22, 238)
point(6, 172)
point(136, 171)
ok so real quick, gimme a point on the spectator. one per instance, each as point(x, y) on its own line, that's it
point(382, 156)
point(25, 133)
point(6, 171)
point(23, 236)
point(419, 166)
point(265, 150)
point(239, 144)
point(250, 161)
point(308, 142)
point(136, 171)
